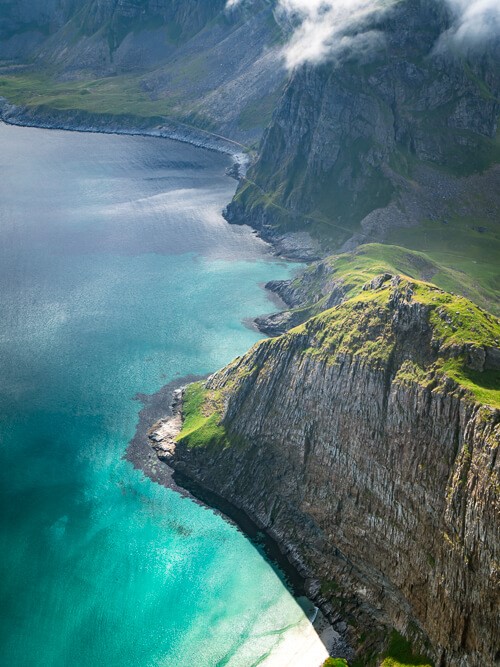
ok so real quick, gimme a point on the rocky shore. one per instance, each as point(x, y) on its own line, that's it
point(150, 451)
point(82, 121)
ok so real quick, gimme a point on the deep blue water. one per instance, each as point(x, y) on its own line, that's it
point(117, 275)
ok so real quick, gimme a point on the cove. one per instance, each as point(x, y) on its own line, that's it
point(118, 275)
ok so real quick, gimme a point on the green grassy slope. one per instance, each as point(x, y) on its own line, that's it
point(466, 252)
point(112, 95)
point(352, 270)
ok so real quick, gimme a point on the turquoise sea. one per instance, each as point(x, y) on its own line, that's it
point(117, 275)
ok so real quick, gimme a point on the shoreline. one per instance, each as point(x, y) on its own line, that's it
point(157, 406)
point(127, 125)
point(140, 453)
point(160, 408)
point(291, 246)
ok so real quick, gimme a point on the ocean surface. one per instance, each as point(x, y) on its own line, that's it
point(117, 275)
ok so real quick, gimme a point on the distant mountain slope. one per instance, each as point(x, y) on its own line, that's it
point(193, 61)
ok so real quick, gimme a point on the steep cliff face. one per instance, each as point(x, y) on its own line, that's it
point(349, 137)
point(366, 441)
point(26, 24)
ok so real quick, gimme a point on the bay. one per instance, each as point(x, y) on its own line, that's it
point(118, 274)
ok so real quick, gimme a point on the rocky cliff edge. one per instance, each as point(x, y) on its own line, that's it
point(366, 442)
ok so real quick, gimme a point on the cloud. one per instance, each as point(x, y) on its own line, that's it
point(325, 29)
point(322, 29)
point(475, 23)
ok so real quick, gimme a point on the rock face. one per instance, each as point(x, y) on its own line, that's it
point(348, 138)
point(363, 442)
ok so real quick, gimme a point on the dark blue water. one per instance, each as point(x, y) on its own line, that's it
point(117, 275)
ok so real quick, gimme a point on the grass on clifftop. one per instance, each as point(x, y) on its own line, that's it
point(400, 654)
point(201, 418)
point(358, 267)
point(363, 327)
point(464, 250)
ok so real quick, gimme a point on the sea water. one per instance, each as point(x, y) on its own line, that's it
point(118, 274)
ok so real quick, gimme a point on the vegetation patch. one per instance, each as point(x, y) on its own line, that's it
point(363, 327)
point(353, 270)
point(400, 654)
point(466, 252)
point(118, 95)
point(201, 412)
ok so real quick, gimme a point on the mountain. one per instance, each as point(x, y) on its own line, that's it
point(369, 143)
point(195, 62)
point(365, 441)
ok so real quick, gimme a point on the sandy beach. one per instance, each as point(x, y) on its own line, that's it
point(308, 645)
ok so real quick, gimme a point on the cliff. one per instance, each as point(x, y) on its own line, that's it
point(377, 140)
point(365, 441)
point(331, 281)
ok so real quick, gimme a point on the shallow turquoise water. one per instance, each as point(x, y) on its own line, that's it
point(118, 274)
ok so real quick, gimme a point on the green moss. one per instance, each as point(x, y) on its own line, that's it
point(484, 386)
point(456, 320)
point(328, 587)
point(351, 271)
point(358, 327)
point(400, 654)
point(119, 95)
point(201, 411)
point(465, 250)
point(335, 662)
point(410, 372)
point(362, 327)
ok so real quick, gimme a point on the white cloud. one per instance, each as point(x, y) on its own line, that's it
point(475, 23)
point(323, 29)
point(327, 27)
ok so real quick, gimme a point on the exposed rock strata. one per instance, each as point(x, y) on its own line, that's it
point(376, 470)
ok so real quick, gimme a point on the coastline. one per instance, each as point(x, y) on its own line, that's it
point(141, 455)
point(158, 407)
point(155, 126)
point(293, 246)
point(162, 408)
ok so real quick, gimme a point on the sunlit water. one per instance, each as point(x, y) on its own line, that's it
point(117, 275)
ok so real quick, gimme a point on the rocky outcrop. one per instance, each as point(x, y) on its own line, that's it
point(364, 442)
